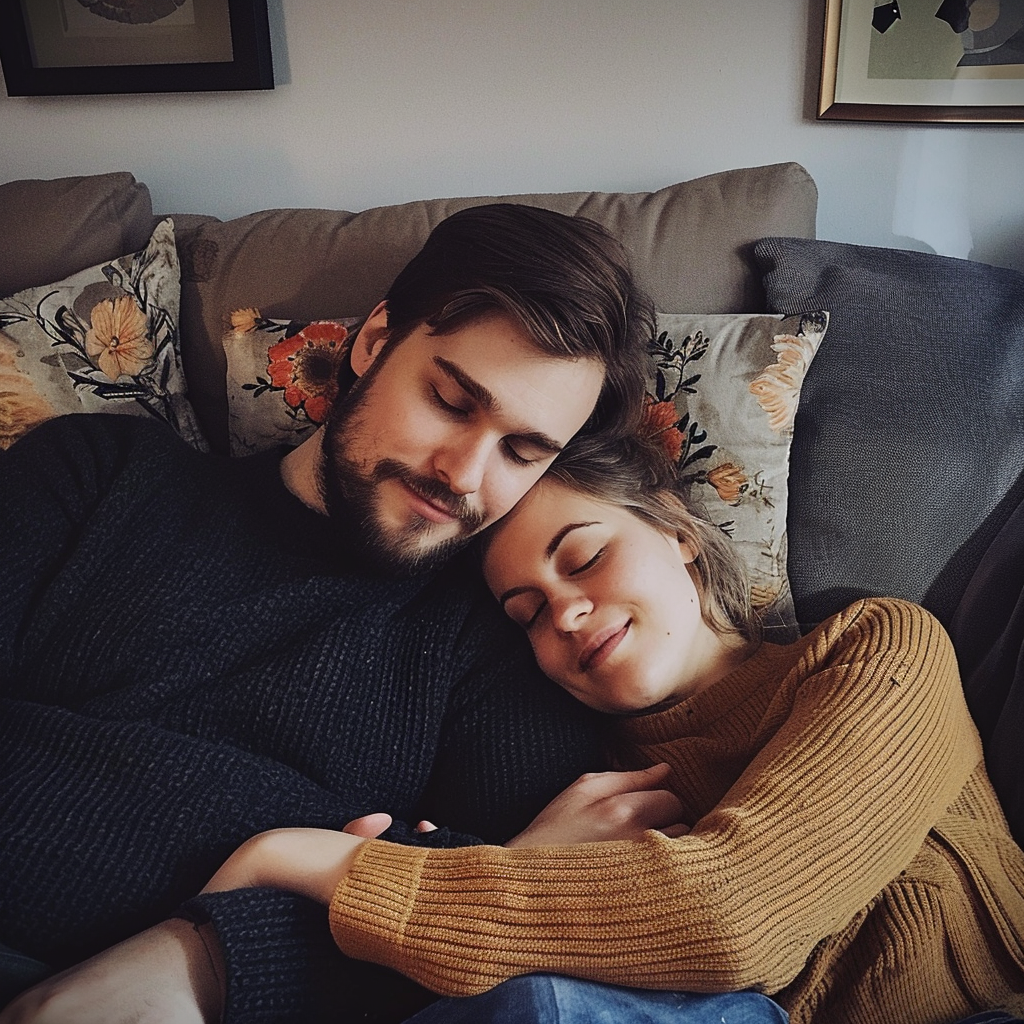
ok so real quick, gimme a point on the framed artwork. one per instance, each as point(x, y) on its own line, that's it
point(954, 61)
point(74, 47)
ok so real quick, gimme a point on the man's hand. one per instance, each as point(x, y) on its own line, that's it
point(164, 975)
point(307, 861)
point(606, 805)
point(369, 826)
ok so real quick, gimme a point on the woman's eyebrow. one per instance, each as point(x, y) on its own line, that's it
point(564, 532)
point(549, 552)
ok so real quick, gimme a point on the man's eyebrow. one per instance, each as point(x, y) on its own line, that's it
point(472, 387)
point(484, 398)
point(549, 552)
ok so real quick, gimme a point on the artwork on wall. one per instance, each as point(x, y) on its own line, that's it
point(957, 61)
point(70, 47)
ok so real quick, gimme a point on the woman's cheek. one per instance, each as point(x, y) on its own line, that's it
point(546, 654)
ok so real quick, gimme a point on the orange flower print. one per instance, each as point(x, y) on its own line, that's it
point(659, 423)
point(777, 387)
point(117, 342)
point(306, 366)
point(729, 481)
point(21, 406)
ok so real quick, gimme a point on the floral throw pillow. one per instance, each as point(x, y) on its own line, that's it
point(722, 398)
point(282, 377)
point(103, 340)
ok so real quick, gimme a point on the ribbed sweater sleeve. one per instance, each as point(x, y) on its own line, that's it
point(838, 755)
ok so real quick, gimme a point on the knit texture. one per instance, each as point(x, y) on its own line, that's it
point(188, 657)
point(846, 853)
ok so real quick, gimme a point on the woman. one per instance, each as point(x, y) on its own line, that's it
point(814, 821)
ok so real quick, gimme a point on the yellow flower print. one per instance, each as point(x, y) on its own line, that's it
point(117, 342)
point(729, 480)
point(777, 387)
point(244, 320)
point(763, 595)
point(21, 406)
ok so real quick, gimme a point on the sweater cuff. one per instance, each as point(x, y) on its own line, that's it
point(274, 952)
point(372, 904)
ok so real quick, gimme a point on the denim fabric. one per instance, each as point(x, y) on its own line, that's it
point(549, 999)
point(991, 1017)
point(17, 973)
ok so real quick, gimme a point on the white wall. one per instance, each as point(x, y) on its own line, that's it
point(381, 101)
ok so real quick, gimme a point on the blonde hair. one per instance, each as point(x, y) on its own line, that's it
point(633, 473)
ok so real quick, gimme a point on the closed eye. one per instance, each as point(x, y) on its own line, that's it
point(455, 411)
point(515, 458)
point(589, 564)
point(532, 621)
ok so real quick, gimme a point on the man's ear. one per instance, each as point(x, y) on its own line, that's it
point(370, 339)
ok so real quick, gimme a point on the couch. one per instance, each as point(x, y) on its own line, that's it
point(905, 459)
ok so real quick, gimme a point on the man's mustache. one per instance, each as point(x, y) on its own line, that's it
point(457, 505)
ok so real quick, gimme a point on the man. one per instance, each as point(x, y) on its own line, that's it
point(194, 650)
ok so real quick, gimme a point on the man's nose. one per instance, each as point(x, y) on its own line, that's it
point(461, 465)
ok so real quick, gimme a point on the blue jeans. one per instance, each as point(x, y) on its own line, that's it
point(17, 973)
point(550, 999)
point(991, 1017)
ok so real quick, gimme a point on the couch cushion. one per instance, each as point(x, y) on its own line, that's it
point(54, 228)
point(282, 377)
point(910, 428)
point(723, 394)
point(102, 340)
point(691, 244)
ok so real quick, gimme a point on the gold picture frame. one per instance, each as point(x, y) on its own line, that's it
point(898, 62)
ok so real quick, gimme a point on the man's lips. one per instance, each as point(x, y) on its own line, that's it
point(601, 646)
point(429, 509)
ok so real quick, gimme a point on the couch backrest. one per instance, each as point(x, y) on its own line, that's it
point(53, 228)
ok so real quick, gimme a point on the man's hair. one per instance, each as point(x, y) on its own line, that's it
point(565, 280)
point(635, 474)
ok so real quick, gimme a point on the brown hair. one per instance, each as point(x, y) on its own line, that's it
point(564, 279)
point(632, 472)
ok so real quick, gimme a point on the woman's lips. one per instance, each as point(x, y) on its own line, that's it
point(602, 646)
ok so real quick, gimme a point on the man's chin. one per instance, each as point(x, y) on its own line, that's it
point(406, 558)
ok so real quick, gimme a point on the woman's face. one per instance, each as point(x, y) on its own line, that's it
point(607, 600)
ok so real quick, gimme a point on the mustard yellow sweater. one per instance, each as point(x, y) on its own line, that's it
point(847, 854)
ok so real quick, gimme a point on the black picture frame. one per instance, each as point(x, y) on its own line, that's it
point(246, 64)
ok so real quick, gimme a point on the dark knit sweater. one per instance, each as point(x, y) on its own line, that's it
point(188, 656)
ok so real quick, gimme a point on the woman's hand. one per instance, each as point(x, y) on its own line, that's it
point(307, 861)
point(604, 806)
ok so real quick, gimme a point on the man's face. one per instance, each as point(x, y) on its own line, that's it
point(444, 434)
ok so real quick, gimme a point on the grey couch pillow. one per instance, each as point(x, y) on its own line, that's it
point(910, 429)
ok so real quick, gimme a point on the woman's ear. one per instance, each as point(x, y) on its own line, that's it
point(370, 339)
point(688, 551)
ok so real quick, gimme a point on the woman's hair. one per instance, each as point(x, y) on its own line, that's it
point(632, 472)
point(565, 280)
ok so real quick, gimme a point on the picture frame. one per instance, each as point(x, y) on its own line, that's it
point(82, 47)
point(906, 61)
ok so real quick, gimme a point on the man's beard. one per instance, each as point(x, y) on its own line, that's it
point(352, 498)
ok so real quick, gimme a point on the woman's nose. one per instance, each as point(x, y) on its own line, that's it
point(571, 611)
